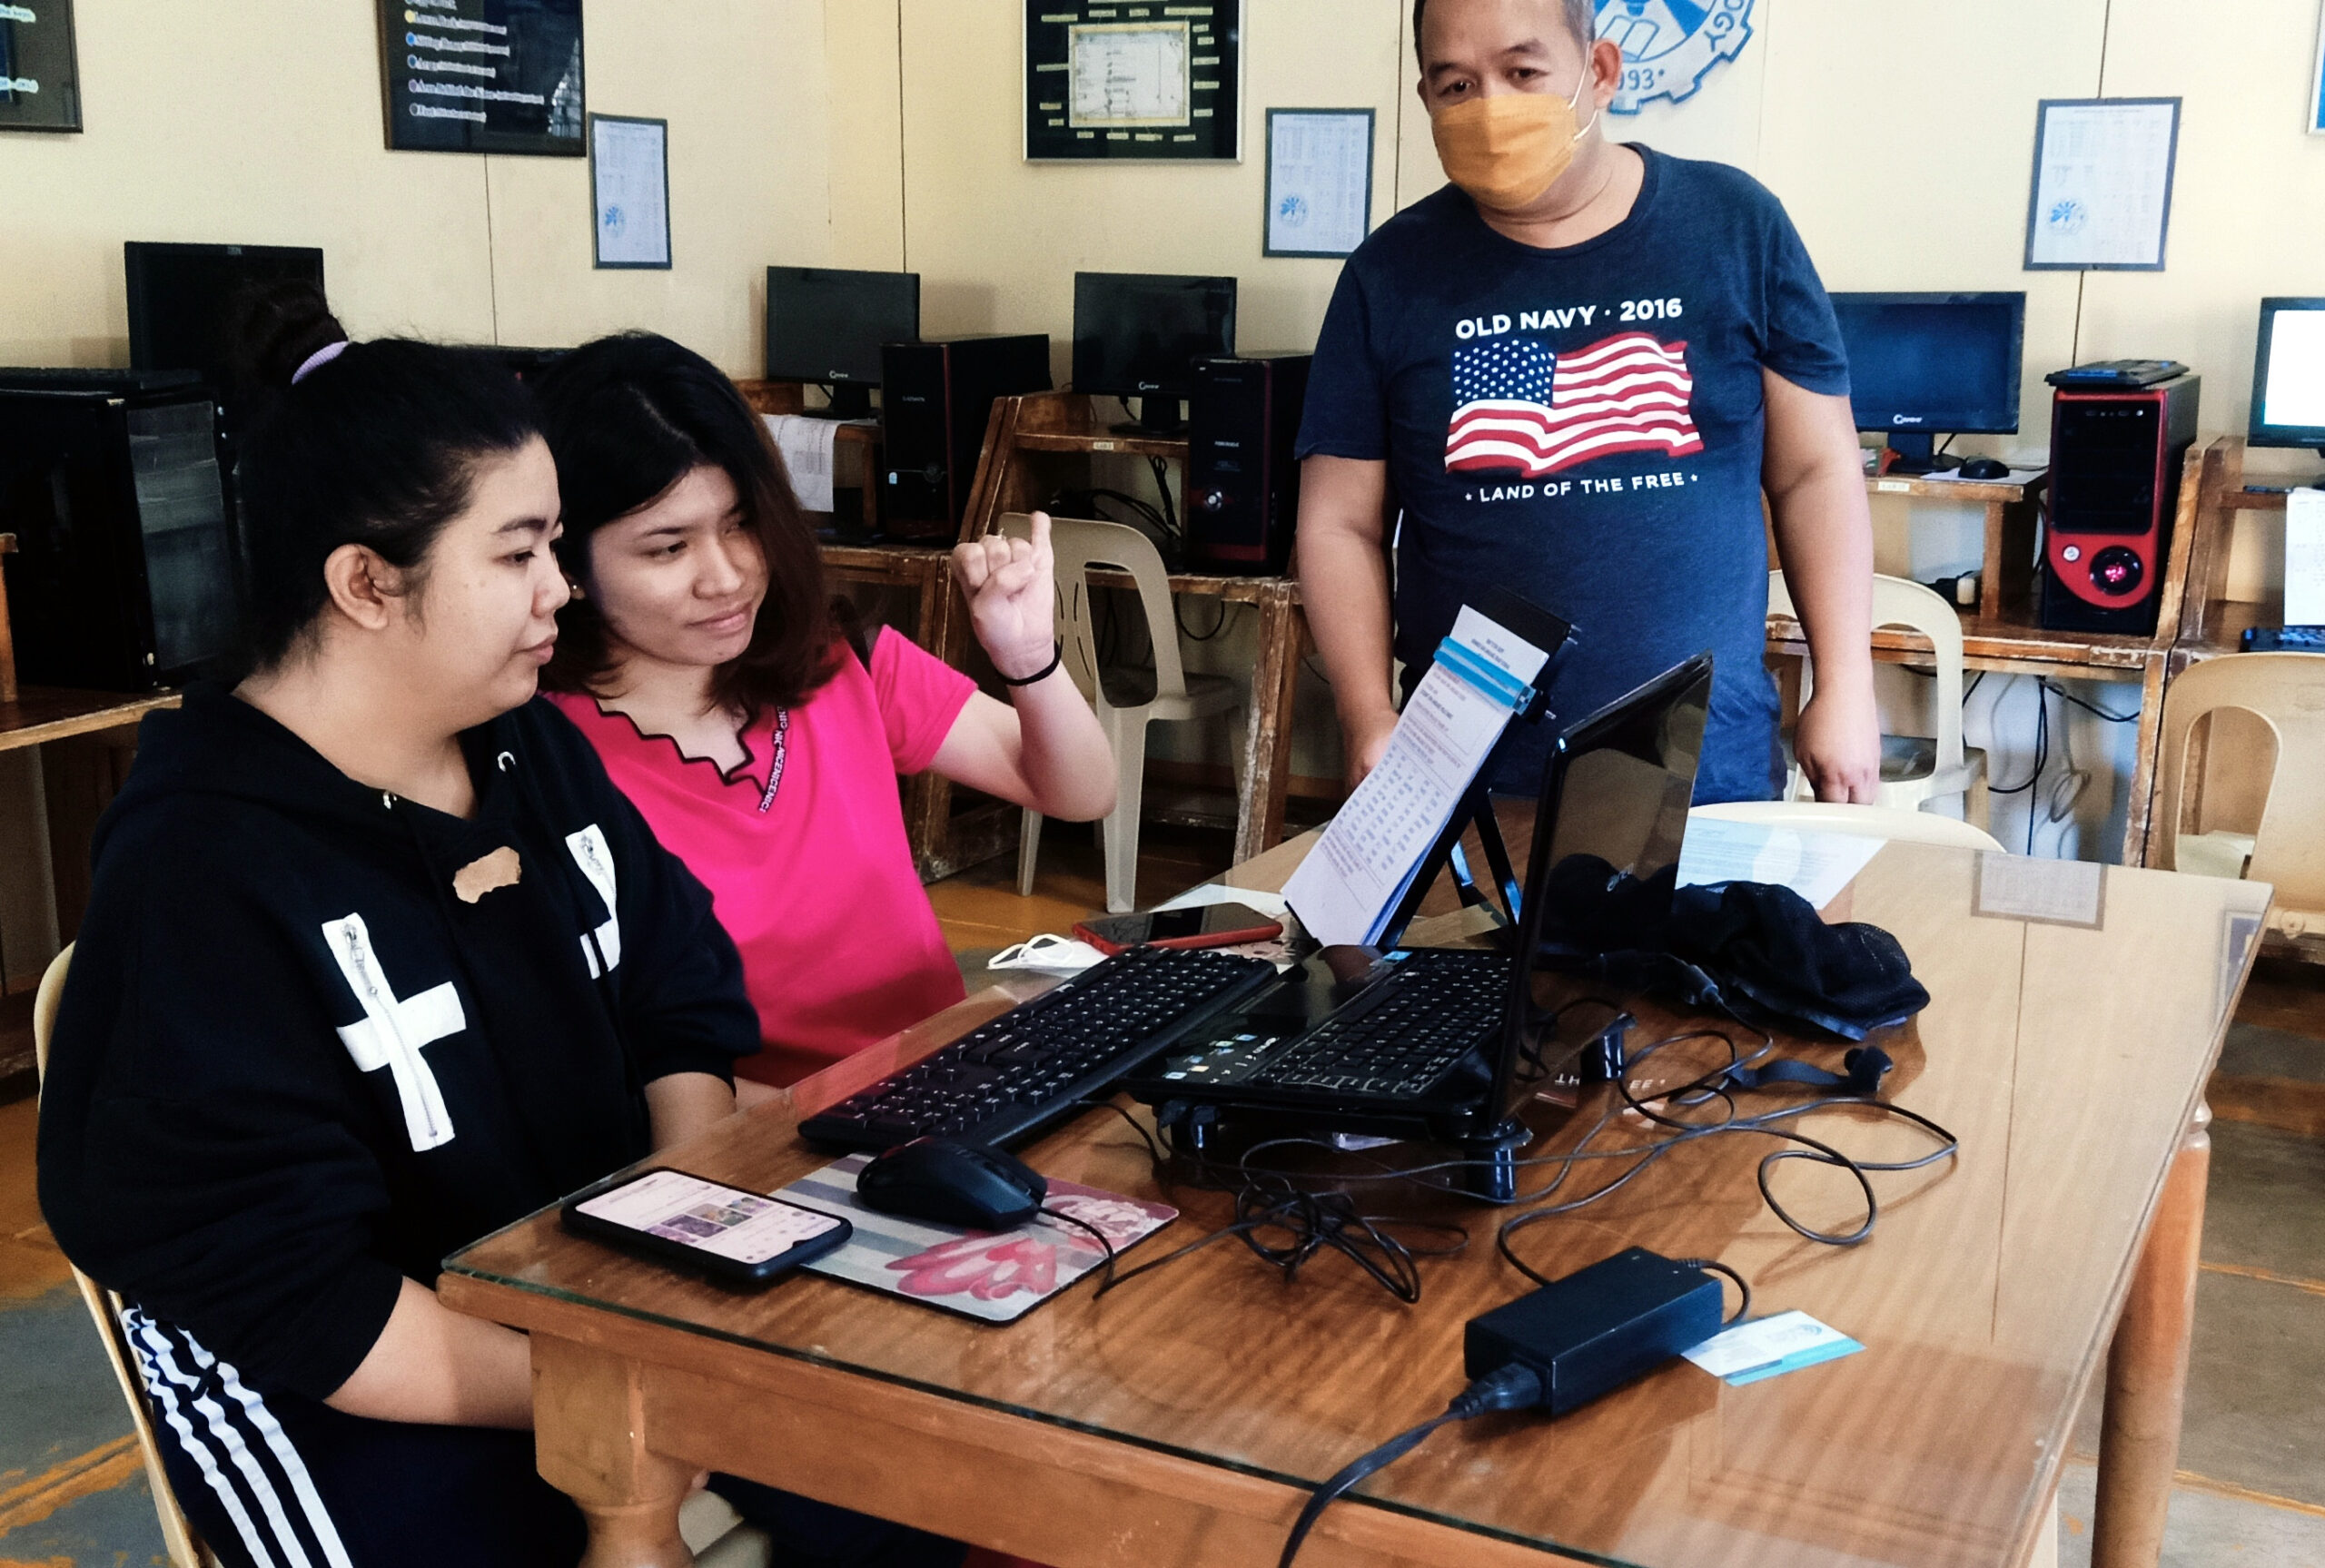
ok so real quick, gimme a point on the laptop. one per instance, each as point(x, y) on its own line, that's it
point(1443, 1043)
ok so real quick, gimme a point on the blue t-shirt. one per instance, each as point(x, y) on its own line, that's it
point(1583, 426)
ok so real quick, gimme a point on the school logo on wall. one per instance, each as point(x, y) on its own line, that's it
point(1669, 46)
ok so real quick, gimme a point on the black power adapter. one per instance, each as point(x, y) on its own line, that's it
point(1598, 1327)
point(1561, 1347)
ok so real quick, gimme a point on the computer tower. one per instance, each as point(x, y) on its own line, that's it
point(127, 574)
point(935, 397)
point(2115, 458)
point(1242, 484)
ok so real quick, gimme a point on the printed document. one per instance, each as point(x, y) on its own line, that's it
point(1348, 888)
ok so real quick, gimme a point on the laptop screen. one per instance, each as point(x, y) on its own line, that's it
point(1609, 826)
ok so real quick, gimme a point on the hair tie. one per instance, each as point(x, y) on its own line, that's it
point(317, 360)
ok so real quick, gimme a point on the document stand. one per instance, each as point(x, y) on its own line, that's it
point(1489, 1167)
point(1476, 810)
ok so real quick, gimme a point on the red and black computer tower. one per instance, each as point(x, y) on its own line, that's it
point(1242, 483)
point(2115, 459)
point(935, 397)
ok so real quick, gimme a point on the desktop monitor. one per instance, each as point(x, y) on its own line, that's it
point(1139, 334)
point(1921, 365)
point(2289, 375)
point(826, 325)
point(184, 301)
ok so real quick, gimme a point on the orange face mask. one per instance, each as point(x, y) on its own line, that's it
point(1507, 150)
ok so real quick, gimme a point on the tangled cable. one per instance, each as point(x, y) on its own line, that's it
point(1287, 1217)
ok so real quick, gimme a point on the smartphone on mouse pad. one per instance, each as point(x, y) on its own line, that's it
point(1203, 925)
point(741, 1237)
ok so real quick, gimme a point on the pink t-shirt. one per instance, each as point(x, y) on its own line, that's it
point(840, 947)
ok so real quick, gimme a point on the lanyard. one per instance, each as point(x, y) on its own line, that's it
point(775, 763)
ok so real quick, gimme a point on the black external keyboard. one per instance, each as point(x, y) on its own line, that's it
point(1405, 1032)
point(1031, 1065)
point(2118, 373)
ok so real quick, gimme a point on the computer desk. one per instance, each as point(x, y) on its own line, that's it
point(1178, 1420)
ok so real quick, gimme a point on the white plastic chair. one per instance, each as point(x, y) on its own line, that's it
point(1880, 822)
point(1914, 769)
point(1127, 699)
point(2286, 691)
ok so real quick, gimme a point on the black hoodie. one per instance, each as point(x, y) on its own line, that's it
point(295, 1064)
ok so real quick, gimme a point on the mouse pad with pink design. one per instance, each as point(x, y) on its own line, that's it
point(995, 1277)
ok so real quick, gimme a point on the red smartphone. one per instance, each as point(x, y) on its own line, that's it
point(1203, 925)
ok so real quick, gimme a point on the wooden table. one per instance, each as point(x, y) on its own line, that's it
point(88, 741)
point(947, 837)
point(1179, 1421)
point(1025, 438)
point(790, 397)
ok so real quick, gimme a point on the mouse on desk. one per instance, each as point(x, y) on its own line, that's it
point(950, 1181)
point(1984, 469)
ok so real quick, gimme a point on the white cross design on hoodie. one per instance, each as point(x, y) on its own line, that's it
point(393, 1029)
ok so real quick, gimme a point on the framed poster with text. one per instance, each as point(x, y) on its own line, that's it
point(2101, 198)
point(629, 191)
point(1106, 81)
point(482, 77)
point(1320, 182)
point(40, 76)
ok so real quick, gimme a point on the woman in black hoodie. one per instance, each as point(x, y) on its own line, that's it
point(376, 961)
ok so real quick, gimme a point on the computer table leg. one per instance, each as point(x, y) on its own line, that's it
point(1267, 757)
point(2147, 1369)
point(588, 1442)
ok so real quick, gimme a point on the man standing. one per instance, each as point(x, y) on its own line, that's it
point(1575, 368)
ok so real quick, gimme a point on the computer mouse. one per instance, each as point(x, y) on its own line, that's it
point(1984, 469)
point(949, 1181)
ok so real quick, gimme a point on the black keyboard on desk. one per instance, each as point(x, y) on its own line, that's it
point(1034, 1063)
point(1405, 1032)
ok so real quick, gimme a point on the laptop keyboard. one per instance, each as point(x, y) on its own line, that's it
point(1034, 1063)
point(1402, 1035)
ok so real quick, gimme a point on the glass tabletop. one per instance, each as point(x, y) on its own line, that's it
point(2075, 1011)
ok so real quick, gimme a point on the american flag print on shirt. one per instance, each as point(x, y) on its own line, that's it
point(1517, 405)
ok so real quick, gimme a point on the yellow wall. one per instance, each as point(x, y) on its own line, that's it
point(997, 240)
point(1900, 135)
point(469, 248)
point(885, 134)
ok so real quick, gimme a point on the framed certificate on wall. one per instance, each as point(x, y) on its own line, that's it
point(629, 191)
point(40, 72)
point(2102, 197)
point(1320, 182)
point(1107, 81)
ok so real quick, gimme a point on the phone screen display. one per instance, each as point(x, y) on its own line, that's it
point(1166, 923)
point(707, 1217)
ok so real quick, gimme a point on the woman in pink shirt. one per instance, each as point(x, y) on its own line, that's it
point(703, 657)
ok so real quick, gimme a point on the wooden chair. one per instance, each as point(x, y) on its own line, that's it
point(1914, 769)
point(712, 1528)
point(1127, 698)
point(186, 1547)
point(1858, 821)
point(2286, 692)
